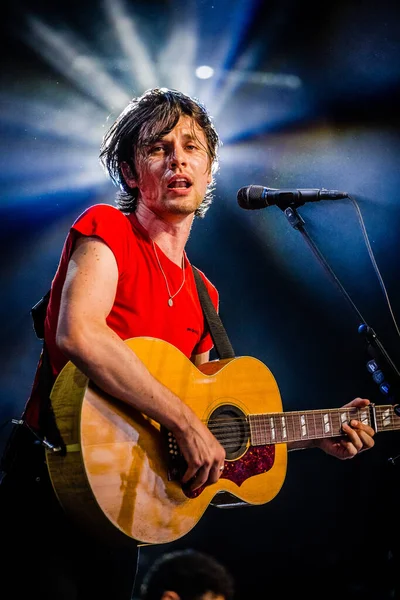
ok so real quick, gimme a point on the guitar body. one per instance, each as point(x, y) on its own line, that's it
point(115, 472)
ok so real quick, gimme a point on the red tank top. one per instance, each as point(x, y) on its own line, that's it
point(141, 301)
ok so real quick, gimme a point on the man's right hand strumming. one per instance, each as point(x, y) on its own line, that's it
point(203, 453)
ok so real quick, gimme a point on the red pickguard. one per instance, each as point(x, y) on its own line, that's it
point(257, 459)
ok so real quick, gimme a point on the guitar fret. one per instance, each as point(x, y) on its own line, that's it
point(273, 431)
point(297, 435)
point(284, 429)
point(336, 423)
point(364, 416)
point(311, 425)
point(264, 433)
point(303, 426)
point(255, 430)
point(290, 427)
point(386, 418)
point(344, 418)
point(297, 426)
point(379, 419)
point(266, 429)
point(327, 424)
point(320, 430)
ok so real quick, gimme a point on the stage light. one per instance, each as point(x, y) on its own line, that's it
point(61, 126)
point(204, 72)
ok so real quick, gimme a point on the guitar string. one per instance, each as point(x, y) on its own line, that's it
point(232, 443)
point(352, 411)
point(293, 430)
point(222, 426)
point(267, 416)
point(318, 432)
point(356, 410)
point(318, 427)
point(292, 435)
point(353, 414)
point(313, 432)
point(234, 446)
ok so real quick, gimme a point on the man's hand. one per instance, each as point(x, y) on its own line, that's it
point(203, 453)
point(358, 437)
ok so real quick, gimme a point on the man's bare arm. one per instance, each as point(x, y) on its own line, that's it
point(85, 338)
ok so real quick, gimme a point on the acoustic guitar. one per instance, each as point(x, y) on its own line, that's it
point(119, 472)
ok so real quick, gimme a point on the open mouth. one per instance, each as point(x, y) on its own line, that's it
point(179, 184)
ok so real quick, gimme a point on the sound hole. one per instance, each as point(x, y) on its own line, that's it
point(229, 425)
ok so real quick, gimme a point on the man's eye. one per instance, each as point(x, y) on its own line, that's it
point(156, 149)
point(191, 147)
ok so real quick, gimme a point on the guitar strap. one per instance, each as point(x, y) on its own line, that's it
point(19, 443)
point(44, 378)
point(222, 345)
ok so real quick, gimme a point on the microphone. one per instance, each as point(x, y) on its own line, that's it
point(254, 197)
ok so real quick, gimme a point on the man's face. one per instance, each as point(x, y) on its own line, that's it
point(174, 171)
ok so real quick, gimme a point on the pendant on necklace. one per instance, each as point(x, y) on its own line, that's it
point(170, 302)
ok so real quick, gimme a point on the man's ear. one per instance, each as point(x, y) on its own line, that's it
point(170, 596)
point(130, 180)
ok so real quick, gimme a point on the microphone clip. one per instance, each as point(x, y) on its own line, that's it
point(294, 218)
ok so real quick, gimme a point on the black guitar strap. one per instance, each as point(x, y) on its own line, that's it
point(21, 438)
point(222, 344)
point(47, 422)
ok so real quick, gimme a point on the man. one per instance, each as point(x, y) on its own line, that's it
point(187, 575)
point(124, 274)
point(162, 149)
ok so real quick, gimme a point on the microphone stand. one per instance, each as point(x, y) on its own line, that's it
point(374, 347)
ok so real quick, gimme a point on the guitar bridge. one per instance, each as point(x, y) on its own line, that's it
point(176, 464)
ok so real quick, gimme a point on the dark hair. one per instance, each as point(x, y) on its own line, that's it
point(146, 119)
point(190, 574)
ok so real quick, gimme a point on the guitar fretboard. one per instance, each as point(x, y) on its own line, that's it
point(275, 428)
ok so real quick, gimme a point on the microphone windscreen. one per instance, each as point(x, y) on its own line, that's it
point(251, 197)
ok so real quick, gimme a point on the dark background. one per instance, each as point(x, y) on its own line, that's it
point(303, 97)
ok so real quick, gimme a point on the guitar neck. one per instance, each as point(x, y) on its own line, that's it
point(275, 428)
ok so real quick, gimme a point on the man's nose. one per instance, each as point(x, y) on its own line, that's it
point(177, 157)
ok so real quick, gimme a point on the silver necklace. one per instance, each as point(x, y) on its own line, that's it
point(171, 296)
